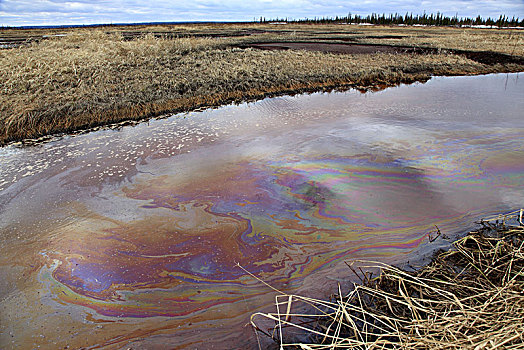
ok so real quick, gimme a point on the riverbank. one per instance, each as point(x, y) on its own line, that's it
point(469, 297)
point(82, 78)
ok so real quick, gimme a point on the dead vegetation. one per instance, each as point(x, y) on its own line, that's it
point(470, 297)
point(92, 77)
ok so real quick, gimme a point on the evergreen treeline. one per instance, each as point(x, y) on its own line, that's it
point(408, 19)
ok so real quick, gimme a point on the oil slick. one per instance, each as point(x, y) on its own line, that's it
point(149, 257)
point(280, 222)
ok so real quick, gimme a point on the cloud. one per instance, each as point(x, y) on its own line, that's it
point(48, 12)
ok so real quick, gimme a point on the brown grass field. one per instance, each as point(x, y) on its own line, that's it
point(88, 77)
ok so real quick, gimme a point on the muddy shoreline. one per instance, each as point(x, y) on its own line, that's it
point(200, 104)
point(154, 111)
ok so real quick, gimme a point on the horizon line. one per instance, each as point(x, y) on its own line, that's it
point(255, 20)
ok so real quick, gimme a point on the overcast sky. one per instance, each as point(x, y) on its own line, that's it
point(53, 12)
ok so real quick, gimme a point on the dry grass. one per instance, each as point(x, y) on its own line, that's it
point(467, 298)
point(90, 77)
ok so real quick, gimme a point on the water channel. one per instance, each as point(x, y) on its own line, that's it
point(131, 238)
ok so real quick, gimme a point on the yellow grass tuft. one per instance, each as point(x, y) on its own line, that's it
point(470, 297)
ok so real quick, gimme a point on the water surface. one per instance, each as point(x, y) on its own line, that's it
point(133, 237)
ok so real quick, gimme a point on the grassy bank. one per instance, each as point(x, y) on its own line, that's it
point(92, 77)
point(470, 297)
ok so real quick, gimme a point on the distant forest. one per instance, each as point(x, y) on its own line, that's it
point(408, 19)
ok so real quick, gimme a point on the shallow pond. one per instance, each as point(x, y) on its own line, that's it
point(133, 238)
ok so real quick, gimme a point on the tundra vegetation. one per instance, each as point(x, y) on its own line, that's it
point(65, 80)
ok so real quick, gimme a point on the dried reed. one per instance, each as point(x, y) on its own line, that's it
point(470, 297)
